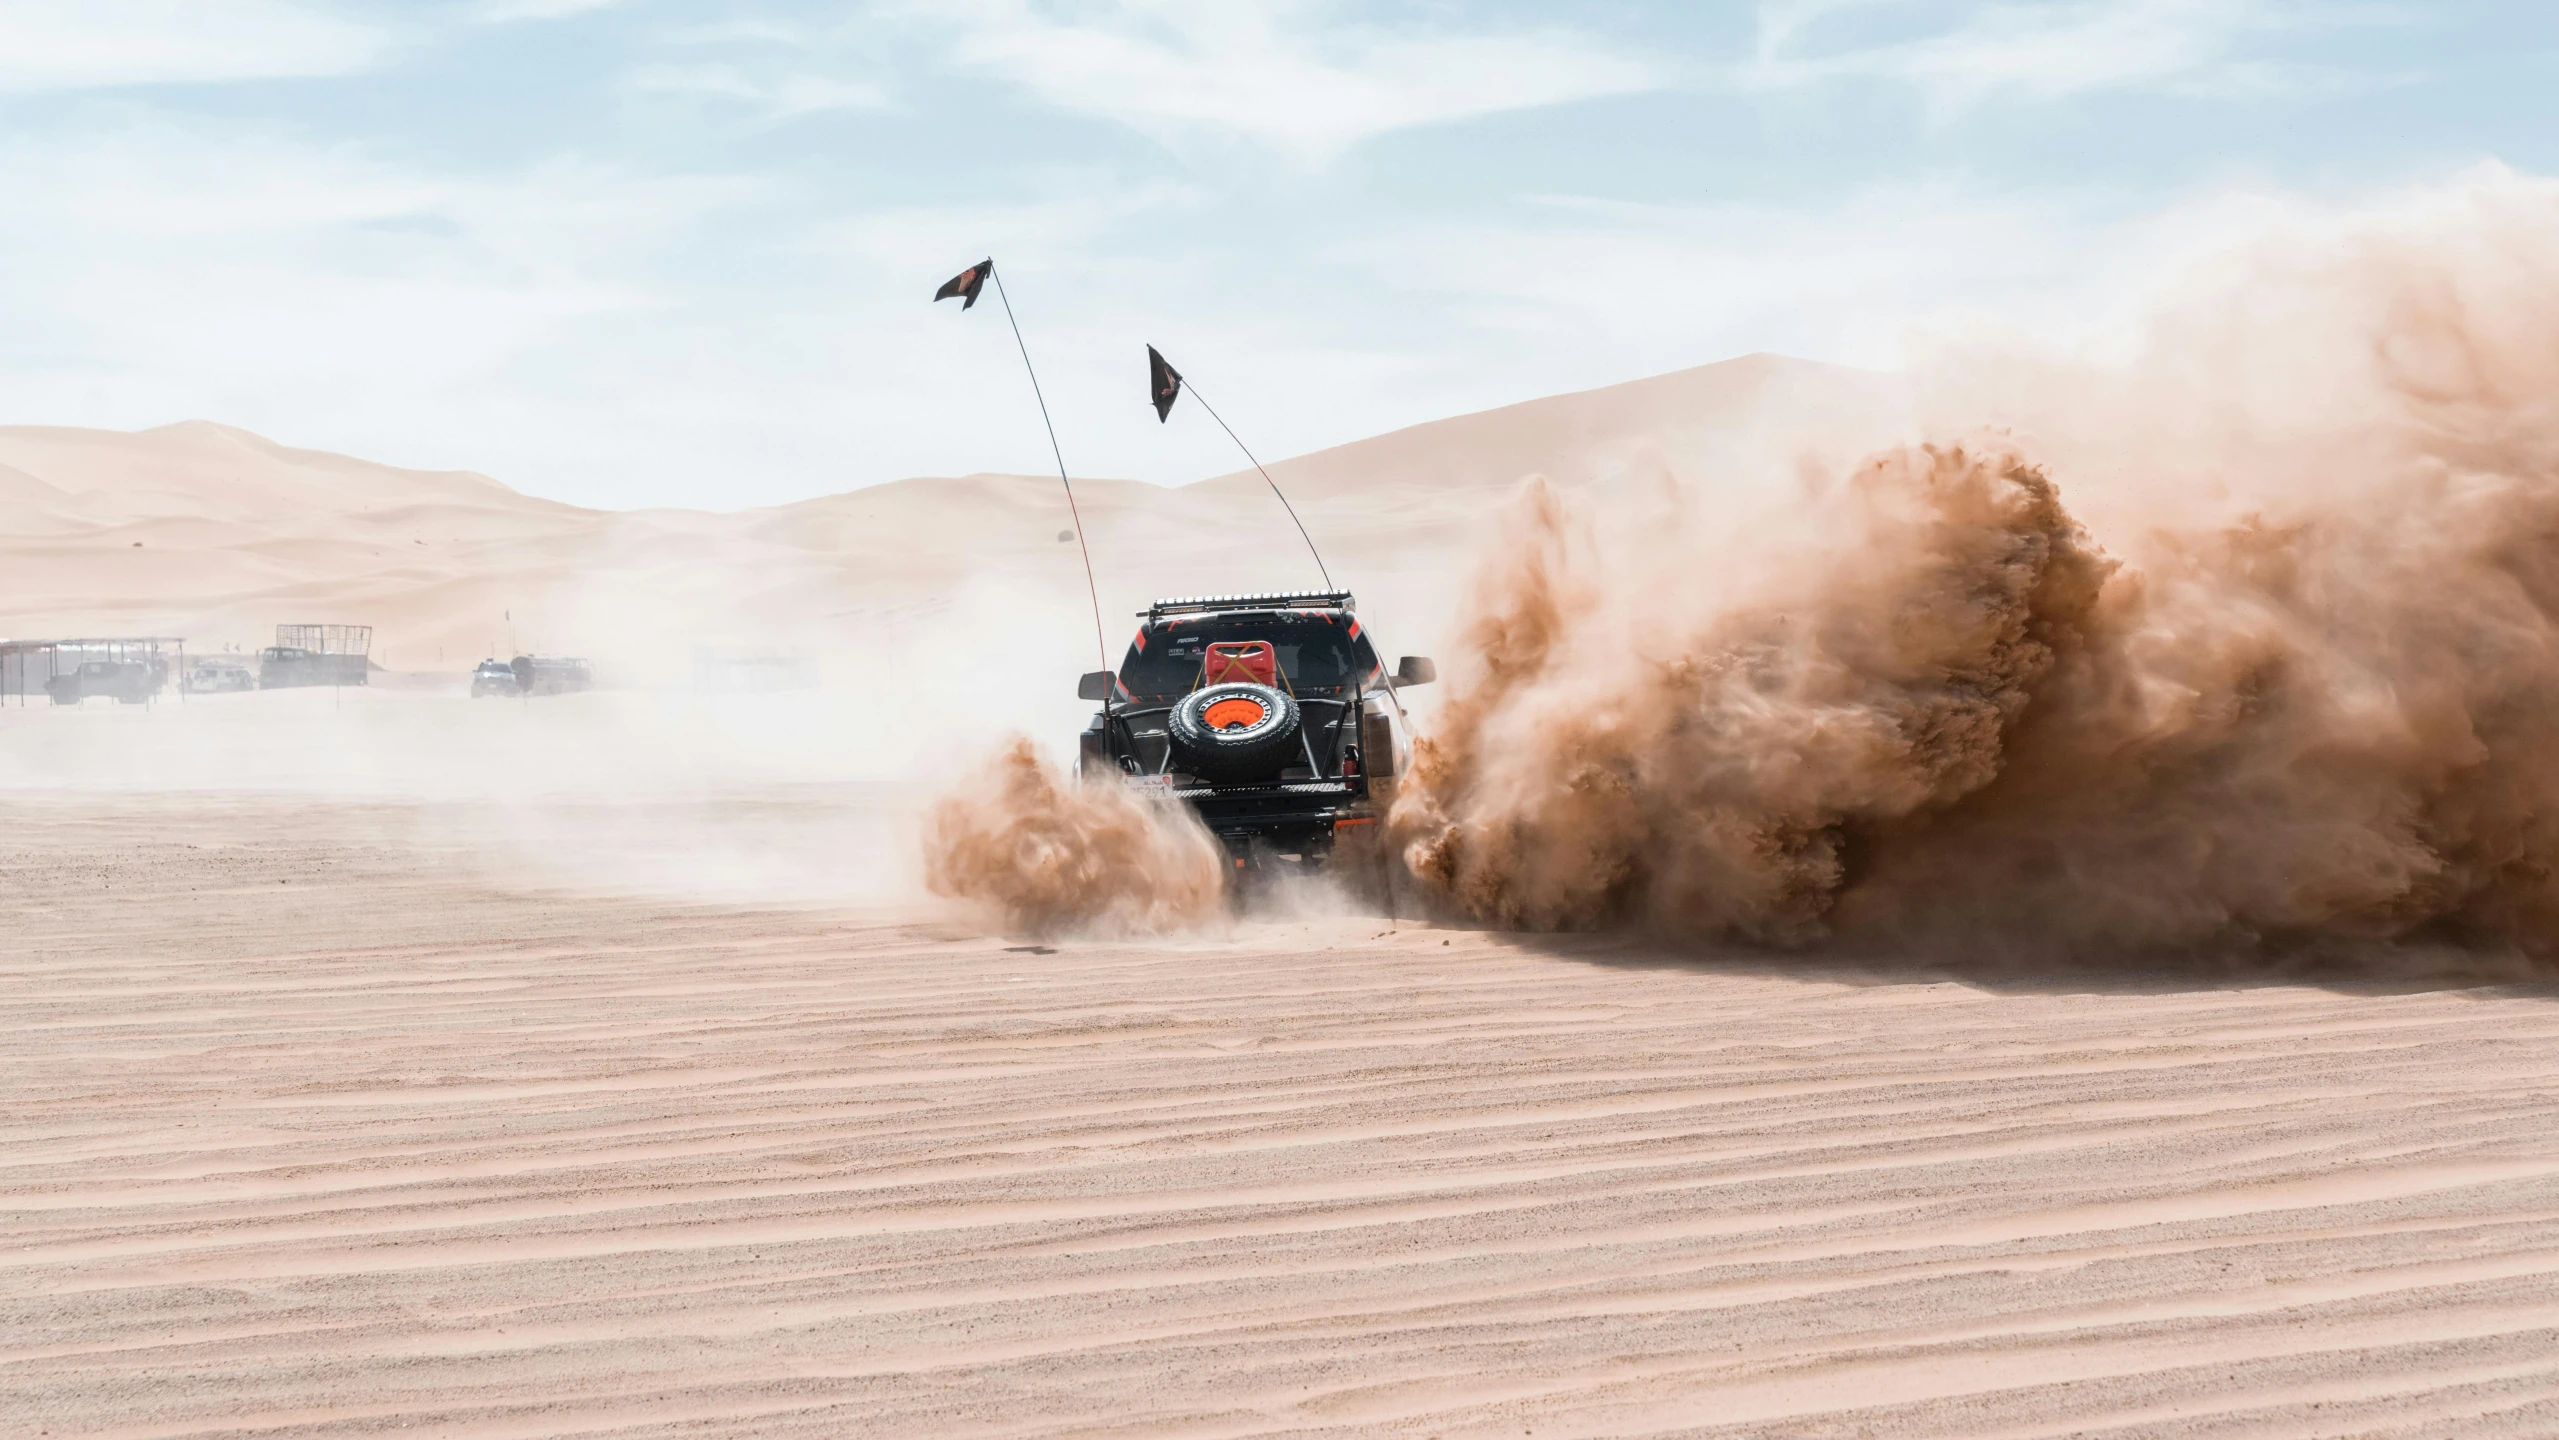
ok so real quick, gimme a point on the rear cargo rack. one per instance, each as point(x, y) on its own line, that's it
point(1201, 604)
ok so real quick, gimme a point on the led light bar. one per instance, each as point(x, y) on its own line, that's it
point(1326, 599)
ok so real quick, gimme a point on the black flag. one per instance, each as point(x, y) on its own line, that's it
point(966, 284)
point(1164, 381)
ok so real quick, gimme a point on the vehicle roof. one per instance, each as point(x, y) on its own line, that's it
point(1276, 600)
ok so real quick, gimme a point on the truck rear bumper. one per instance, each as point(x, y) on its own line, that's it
point(1290, 817)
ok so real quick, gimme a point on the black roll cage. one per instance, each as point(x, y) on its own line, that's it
point(1116, 719)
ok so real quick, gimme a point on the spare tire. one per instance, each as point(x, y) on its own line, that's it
point(1235, 731)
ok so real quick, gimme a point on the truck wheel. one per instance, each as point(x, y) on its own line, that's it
point(1236, 731)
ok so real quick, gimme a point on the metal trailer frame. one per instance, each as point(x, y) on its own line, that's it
point(331, 655)
point(326, 639)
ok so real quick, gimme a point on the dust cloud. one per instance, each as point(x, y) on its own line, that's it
point(1048, 856)
point(2294, 680)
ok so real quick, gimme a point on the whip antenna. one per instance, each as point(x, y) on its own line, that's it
point(966, 286)
point(1166, 383)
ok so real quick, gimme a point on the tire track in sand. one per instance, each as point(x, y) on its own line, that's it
point(414, 1148)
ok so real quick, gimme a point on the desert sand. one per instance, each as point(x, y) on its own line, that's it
point(319, 1123)
point(385, 1061)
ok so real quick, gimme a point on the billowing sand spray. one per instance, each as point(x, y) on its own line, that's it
point(1713, 785)
point(1049, 856)
point(2307, 691)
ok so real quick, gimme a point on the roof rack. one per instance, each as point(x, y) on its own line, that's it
point(1292, 599)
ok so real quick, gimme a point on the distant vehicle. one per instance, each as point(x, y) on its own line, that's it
point(128, 682)
point(316, 655)
point(215, 676)
point(552, 674)
point(533, 675)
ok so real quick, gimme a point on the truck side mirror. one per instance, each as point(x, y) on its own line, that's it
point(1095, 686)
point(1415, 670)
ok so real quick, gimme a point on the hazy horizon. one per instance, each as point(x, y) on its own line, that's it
point(1237, 464)
point(624, 257)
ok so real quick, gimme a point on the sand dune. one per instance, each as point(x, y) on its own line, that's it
point(1588, 436)
point(390, 1141)
point(212, 533)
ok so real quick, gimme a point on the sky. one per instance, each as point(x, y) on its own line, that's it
point(629, 254)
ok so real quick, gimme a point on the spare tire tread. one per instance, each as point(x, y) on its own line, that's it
point(1258, 753)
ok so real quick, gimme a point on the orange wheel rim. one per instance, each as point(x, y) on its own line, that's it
point(1239, 713)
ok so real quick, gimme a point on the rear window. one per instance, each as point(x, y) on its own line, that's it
point(1317, 653)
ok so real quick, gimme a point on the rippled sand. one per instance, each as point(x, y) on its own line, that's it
point(312, 1124)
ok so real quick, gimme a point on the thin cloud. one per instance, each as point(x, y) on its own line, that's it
point(1295, 77)
point(671, 310)
point(2054, 49)
point(1841, 281)
point(88, 44)
point(777, 96)
point(502, 12)
point(170, 269)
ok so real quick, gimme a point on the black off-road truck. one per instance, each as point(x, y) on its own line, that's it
point(1270, 715)
point(130, 682)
